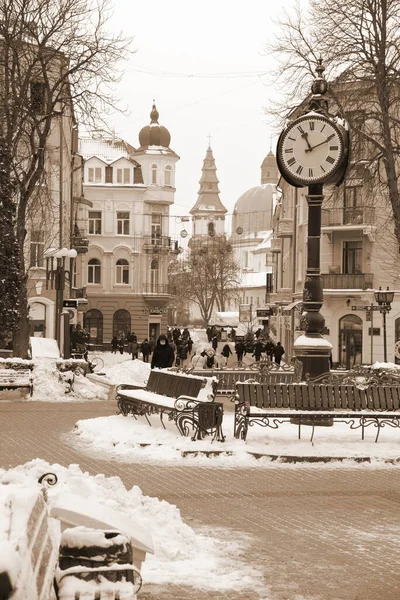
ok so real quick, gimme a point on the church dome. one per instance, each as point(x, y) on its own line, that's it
point(254, 209)
point(154, 134)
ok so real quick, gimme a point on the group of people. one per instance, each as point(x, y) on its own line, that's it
point(118, 344)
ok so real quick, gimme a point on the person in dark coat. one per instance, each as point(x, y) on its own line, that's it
point(145, 350)
point(278, 353)
point(214, 343)
point(209, 333)
point(163, 355)
point(121, 343)
point(258, 349)
point(239, 349)
point(114, 345)
point(226, 352)
point(269, 349)
point(190, 345)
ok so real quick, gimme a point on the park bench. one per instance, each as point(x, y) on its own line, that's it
point(262, 371)
point(14, 377)
point(360, 398)
point(176, 395)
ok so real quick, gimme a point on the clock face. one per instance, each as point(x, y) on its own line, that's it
point(310, 150)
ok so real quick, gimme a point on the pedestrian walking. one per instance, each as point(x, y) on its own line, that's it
point(145, 350)
point(163, 355)
point(214, 343)
point(278, 353)
point(258, 350)
point(269, 349)
point(225, 353)
point(134, 350)
point(239, 349)
point(121, 342)
point(130, 338)
point(114, 345)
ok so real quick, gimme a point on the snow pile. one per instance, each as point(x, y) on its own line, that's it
point(50, 385)
point(129, 440)
point(44, 348)
point(128, 371)
point(182, 556)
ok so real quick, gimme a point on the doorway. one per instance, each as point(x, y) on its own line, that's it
point(350, 341)
point(154, 332)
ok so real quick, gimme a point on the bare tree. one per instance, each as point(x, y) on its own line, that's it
point(359, 41)
point(209, 278)
point(56, 57)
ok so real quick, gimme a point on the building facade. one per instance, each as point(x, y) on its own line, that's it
point(125, 271)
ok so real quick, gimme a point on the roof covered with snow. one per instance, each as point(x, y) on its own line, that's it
point(108, 149)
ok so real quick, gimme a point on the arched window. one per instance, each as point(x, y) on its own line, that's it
point(350, 341)
point(93, 322)
point(94, 271)
point(168, 175)
point(121, 322)
point(122, 275)
point(211, 229)
point(154, 174)
point(154, 276)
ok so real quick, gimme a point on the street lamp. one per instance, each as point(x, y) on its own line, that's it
point(56, 275)
point(384, 298)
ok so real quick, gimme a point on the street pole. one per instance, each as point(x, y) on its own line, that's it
point(372, 336)
point(384, 337)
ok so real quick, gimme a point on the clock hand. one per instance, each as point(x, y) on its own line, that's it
point(305, 136)
point(320, 144)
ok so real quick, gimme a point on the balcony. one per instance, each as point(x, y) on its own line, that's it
point(79, 241)
point(347, 281)
point(348, 216)
point(157, 244)
point(159, 289)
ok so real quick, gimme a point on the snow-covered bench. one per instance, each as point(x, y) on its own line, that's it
point(13, 378)
point(359, 398)
point(176, 395)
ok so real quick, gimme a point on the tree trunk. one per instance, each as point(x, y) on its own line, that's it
point(21, 335)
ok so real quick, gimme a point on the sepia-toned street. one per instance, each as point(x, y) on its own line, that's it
point(321, 532)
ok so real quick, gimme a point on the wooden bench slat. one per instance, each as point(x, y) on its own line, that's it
point(285, 395)
point(375, 397)
point(323, 392)
point(382, 398)
point(292, 396)
point(311, 395)
point(396, 398)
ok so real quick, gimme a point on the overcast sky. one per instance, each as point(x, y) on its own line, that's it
point(191, 58)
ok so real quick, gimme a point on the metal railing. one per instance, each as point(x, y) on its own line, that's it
point(348, 215)
point(158, 289)
point(347, 281)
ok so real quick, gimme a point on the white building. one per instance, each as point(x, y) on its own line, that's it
point(125, 270)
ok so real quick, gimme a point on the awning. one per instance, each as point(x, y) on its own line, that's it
point(292, 305)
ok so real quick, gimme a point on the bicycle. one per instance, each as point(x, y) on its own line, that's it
point(96, 363)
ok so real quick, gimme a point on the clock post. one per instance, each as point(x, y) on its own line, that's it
point(313, 151)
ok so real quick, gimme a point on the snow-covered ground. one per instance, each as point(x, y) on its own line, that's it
point(182, 556)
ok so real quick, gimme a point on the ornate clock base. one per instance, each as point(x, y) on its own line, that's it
point(312, 355)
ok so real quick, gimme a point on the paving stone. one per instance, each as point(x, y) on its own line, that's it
point(314, 532)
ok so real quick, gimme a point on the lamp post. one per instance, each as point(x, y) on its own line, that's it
point(384, 299)
point(56, 275)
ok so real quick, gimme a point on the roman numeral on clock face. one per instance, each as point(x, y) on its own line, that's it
point(333, 148)
point(300, 129)
point(330, 137)
point(291, 162)
point(299, 170)
point(312, 125)
point(310, 173)
point(289, 151)
point(330, 160)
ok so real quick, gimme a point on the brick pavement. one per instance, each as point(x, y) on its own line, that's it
point(316, 532)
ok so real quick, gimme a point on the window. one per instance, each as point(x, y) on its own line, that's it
point(137, 175)
point(168, 175)
point(211, 230)
point(122, 223)
point(154, 174)
point(353, 212)
point(122, 271)
point(156, 228)
point(123, 175)
point(94, 175)
point(38, 97)
point(94, 271)
point(121, 322)
point(109, 174)
point(94, 222)
point(352, 257)
point(154, 274)
point(37, 248)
